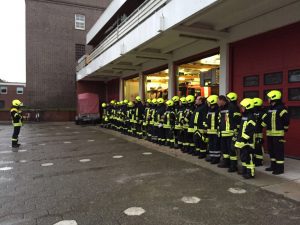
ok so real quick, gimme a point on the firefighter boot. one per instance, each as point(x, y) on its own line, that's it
point(248, 174)
point(272, 167)
point(279, 169)
point(233, 166)
point(224, 163)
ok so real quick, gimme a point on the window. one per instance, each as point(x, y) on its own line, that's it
point(273, 78)
point(251, 81)
point(3, 90)
point(79, 51)
point(267, 91)
point(294, 112)
point(20, 90)
point(2, 104)
point(294, 94)
point(251, 94)
point(294, 76)
point(79, 22)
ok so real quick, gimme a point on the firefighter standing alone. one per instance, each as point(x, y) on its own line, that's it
point(17, 121)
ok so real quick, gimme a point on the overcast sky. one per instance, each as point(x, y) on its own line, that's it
point(12, 39)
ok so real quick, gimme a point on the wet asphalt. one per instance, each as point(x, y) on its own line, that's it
point(45, 183)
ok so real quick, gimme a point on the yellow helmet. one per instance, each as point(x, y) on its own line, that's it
point(149, 100)
point(103, 105)
point(160, 101)
point(126, 101)
point(274, 95)
point(247, 103)
point(213, 99)
point(232, 96)
point(112, 102)
point(190, 99)
point(175, 99)
point(183, 100)
point(121, 102)
point(257, 101)
point(138, 98)
point(170, 103)
point(17, 103)
point(130, 104)
point(154, 101)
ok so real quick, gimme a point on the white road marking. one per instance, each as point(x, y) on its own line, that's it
point(84, 160)
point(134, 211)
point(118, 156)
point(47, 164)
point(67, 222)
point(23, 150)
point(67, 142)
point(237, 190)
point(91, 140)
point(76, 132)
point(23, 161)
point(6, 162)
point(6, 168)
point(147, 153)
point(5, 152)
point(43, 144)
point(191, 200)
point(68, 127)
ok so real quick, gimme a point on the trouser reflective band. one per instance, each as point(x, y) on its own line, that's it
point(279, 162)
point(233, 158)
point(192, 144)
point(225, 156)
point(13, 139)
point(259, 156)
point(273, 159)
point(203, 150)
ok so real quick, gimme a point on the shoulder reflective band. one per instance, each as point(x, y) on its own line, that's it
point(196, 118)
point(283, 112)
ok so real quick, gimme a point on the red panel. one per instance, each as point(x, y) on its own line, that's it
point(274, 51)
point(113, 89)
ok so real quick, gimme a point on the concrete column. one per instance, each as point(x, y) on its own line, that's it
point(142, 85)
point(172, 79)
point(121, 89)
point(224, 68)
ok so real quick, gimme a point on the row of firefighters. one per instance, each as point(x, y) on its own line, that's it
point(217, 128)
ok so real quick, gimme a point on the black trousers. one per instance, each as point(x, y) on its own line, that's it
point(258, 151)
point(214, 146)
point(169, 134)
point(228, 151)
point(15, 136)
point(276, 150)
point(247, 158)
point(200, 145)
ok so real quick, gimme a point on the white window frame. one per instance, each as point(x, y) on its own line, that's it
point(3, 88)
point(19, 89)
point(79, 22)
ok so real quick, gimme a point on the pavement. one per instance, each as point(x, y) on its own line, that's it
point(66, 175)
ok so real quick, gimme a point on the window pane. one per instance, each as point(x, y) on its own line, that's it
point(294, 112)
point(2, 104)
point(79, 22)
point(251, 81)
point(251, 94)
point(294, 76)
point(79, 51)
point(294, 94)
point(3, 90)
point(273, 78)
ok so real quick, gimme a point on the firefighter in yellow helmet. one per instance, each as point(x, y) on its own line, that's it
point(276, 120)
point(211, 125)
point(179, 133)
point(17, 121)
point(152, 135)
point(176, 101)
point(245, 139)
point(159, 120)
point(139, 112)
point(146, 115)
point(104, 119)
point(258, 113)
point(188, 128)
point(169, 123)
point(131, 118)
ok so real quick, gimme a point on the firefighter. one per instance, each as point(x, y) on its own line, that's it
point(146, 115)
point(199, 136)
point(17, 122)
point(258, 113)
point(169, 123)
point(245, 139)
point(139, 112)
point(189, 145)
point(276, 120)
point(153, 128)
point(176, 101)
point(131, 118)
point(227, 130)
point(179, 124)
point(159, 121)
point(211, 126)
point(104, 120)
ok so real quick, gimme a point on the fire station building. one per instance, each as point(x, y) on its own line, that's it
point(162, 48)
